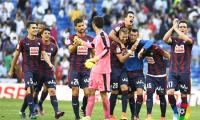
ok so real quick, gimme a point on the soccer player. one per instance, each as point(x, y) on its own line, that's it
point(179, 71)
point(127, 23)
point(100, 73)
point(41, 26)
point(134, 68)
point(78, 74)
point(119, 79)
point(46, 74)
point(31, 47)
point(156, 79)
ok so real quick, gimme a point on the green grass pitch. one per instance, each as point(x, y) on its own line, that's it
point(9, 110)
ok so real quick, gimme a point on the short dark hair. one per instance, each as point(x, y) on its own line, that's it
point(183, 21)
point(77, 20)
point(98, 21)
point(46, 29)
point(29, 23)
point(129, 12)
point(134, 30)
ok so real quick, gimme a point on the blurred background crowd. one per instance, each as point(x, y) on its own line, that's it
point(152, 17)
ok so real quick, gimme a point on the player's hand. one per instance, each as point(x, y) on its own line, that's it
point(77, 40)
point(140, 53)
point(10, 73)
point(175, 23)
point(52, 67)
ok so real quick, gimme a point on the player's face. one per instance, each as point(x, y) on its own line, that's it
point(33, 29)
point(40, 27)
point(46, 35)
point(123, 37)
point(129, 19)
point(133, 36)
point(80, 27)
point(182, 27)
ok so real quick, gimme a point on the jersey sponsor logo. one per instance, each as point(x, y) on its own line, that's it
point(133, 55)
point(42, 58)
point(82, 50)
point(139, 82)
point(34, 50)
point(179, 49)
point(150, 60)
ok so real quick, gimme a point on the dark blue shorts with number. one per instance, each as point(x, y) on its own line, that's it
point(158, 84)
point(31, 79)
point(118, 77)
point(181, 81)
point(78, 79)
point(135, 81)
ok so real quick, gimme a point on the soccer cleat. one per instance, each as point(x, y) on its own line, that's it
point(175, 117)
point(83, 112)
point(33, 116)
point(86, 118)
point(136, 118)
point(162, 118)
point(123, 116)
point(23, 115)
point(149, 117)
point(59, 114)
point(112, 117)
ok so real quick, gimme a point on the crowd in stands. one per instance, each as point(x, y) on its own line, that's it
point(152, 17)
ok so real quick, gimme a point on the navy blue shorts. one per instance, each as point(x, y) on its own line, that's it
point(158, 84)
point(48, 80)
point(135, 82)
point(118, 77)
point(181, 81)
point(31, 79)
point(78, 79)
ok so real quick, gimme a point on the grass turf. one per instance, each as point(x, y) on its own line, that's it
point(9, 110)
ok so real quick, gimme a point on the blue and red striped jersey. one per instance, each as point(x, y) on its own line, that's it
point(180, 56)
point(31, 51)
point(156, 64)
point(78, 58)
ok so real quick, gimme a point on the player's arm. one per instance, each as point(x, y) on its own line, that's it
point(123, 58)
point(146, 45)
point(14, 61)
point(112, 36)
point(47, 59)
point(183, 36)
point(167, 37)
point(73, 47)
point(166, 55)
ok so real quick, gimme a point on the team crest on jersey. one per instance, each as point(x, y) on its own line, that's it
point(34, 50)
point(51, 49)
point(38, 43)
point(151, 53)
point(82, 50)
point(179, 49)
